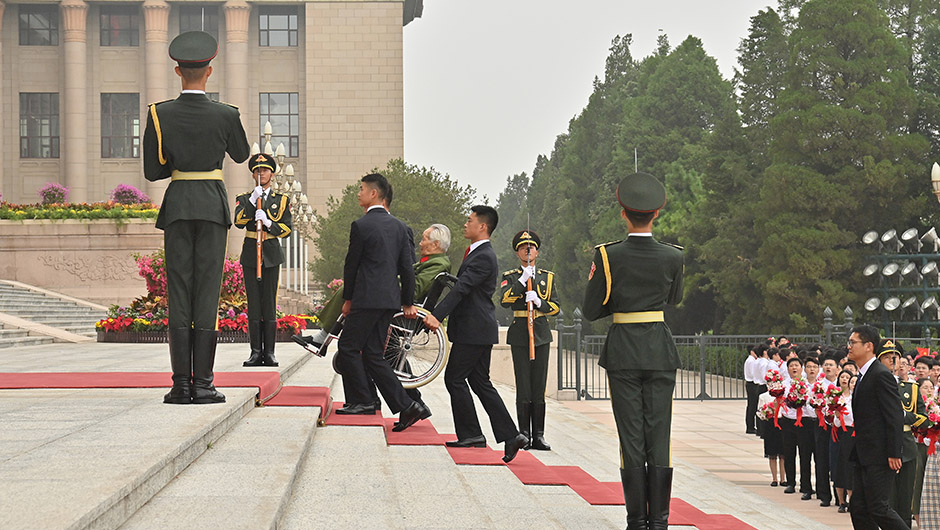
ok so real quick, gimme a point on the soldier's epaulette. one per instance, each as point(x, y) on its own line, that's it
point(672, 245)
point(605, 244)
point(160, 102)
point(243, 194)
point(512, 271)
point(546, 271)
point(227, 104)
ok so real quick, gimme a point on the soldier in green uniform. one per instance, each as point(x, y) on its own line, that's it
point(530, 374)
point(902, 495)
point(633, 280)
point(186, 140)
point(275, 220)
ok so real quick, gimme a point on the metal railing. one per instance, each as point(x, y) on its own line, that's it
point(710, 366)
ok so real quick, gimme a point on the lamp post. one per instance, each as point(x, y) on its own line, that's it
point(295, 244)
point(935, 180)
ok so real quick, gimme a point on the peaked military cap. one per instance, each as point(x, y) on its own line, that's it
point(262, 160)
point(888, 347)
point(641, 193)
point(193, 49)
point(526, 236)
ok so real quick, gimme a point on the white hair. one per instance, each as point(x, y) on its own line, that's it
point(441, 234)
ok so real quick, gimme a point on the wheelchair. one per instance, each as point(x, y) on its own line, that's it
point(416, 354)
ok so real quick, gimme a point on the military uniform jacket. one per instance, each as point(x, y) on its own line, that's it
point(192, 133)
point(277, 207)
point(426, 269)
point(513, 296)
point(636, 274)
point(915, 414)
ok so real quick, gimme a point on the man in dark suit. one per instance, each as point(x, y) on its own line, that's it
point(878, 420)
point(633, 280)
point(186, 140)
point(473, 331)
point(275, 219)
point(381, 249)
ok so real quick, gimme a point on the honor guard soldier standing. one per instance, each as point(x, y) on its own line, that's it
point(275, 219)
point(531, 374)
point(186, 140)
point(633, 280)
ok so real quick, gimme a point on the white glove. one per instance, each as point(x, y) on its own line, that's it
point(527, 272)
point(532, 296)
point(256, 194)
point(263, 217)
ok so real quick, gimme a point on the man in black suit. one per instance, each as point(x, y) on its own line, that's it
point(877, 451)
point(473, 331)
point(381, 249)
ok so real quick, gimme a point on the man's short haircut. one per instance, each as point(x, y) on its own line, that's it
point(868, 334)
point(191, 75)
point(853, 363)
point(772, 351)
point(794, 360)
point(441, 234)
point(925, 360)
point(389, 195)
point(487, 215)
point(639, 219)
point(379, 183)
point(760, 350)
point(785, 352)
point(811, 359)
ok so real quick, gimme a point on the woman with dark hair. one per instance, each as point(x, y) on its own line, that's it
point(844, 471)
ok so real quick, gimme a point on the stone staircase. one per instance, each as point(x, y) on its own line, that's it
point(46, 314)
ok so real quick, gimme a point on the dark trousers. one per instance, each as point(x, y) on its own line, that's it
point(801, 438)
point(530, 375)
point(872, 487)
point(361, 348)
point(262, 296)
point(195, 255)
point(642, 405)
point(903, 494)
point(821, 457)
point(753, 392)
point(469, 369)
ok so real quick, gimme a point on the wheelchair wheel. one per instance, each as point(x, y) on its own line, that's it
point(417, 355)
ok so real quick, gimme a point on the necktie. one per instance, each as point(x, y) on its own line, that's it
point(465, 252)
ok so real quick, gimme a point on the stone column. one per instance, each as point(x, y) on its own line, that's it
point(156, 17)
point(74, 104)
point(234, 66)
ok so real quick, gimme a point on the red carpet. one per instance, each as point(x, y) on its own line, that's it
point(353, 420)
point(421, 433)
point(475, 456)
point(266, 382)
point(302, 396)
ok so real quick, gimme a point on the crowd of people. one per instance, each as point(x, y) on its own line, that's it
point(800, 402)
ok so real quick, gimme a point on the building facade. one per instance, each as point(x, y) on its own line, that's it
point(76, 78)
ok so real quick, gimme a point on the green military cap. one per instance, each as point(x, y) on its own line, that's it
point(262, 160)
point(641, 193)
point(888, 347)
point(193, 49)
point(526, 236)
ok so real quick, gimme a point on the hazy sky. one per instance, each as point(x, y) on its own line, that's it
point(490, 84)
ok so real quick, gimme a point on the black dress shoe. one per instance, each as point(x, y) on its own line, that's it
point(475, 441)
point(773, 484)
point(512, 447)
point(806, 497)
point(357, 408)
point(790, 489)
point(825, 504)
point(408, 417)
point(843, 508)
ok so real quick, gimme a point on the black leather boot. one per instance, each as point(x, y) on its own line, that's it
point(181, 361)
point(254, 338)
point(634, 496)
point(538, 428)
point(659, 493)
point(204, 343)
point(524, 415)
point(270, 337)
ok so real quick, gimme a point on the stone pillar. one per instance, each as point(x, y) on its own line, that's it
point(74, 105)
point(156, 17)
point(234, 66)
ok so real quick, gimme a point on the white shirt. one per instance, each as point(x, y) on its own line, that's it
point(474, 246)
point(751, 367)
point(203, 92)
point(374, 206)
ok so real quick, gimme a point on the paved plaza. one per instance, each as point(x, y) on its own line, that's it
point(120, 458)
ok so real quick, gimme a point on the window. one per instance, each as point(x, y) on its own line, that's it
point(39, 25)
point(39, 125)
point(120, 126)
point(200, 18)
point(282, 109)
point(120, 25)
point(278, 26)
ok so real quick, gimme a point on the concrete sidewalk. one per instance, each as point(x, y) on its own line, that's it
point(104, 458)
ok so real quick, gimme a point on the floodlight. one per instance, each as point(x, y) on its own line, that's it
point(931, 241)
point(872, 304)
point(892, 303)
point(870, 269)
point(890, 240)
point(910, 240)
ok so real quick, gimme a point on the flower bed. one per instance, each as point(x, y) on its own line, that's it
point(97, 210)
point(157, 337)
